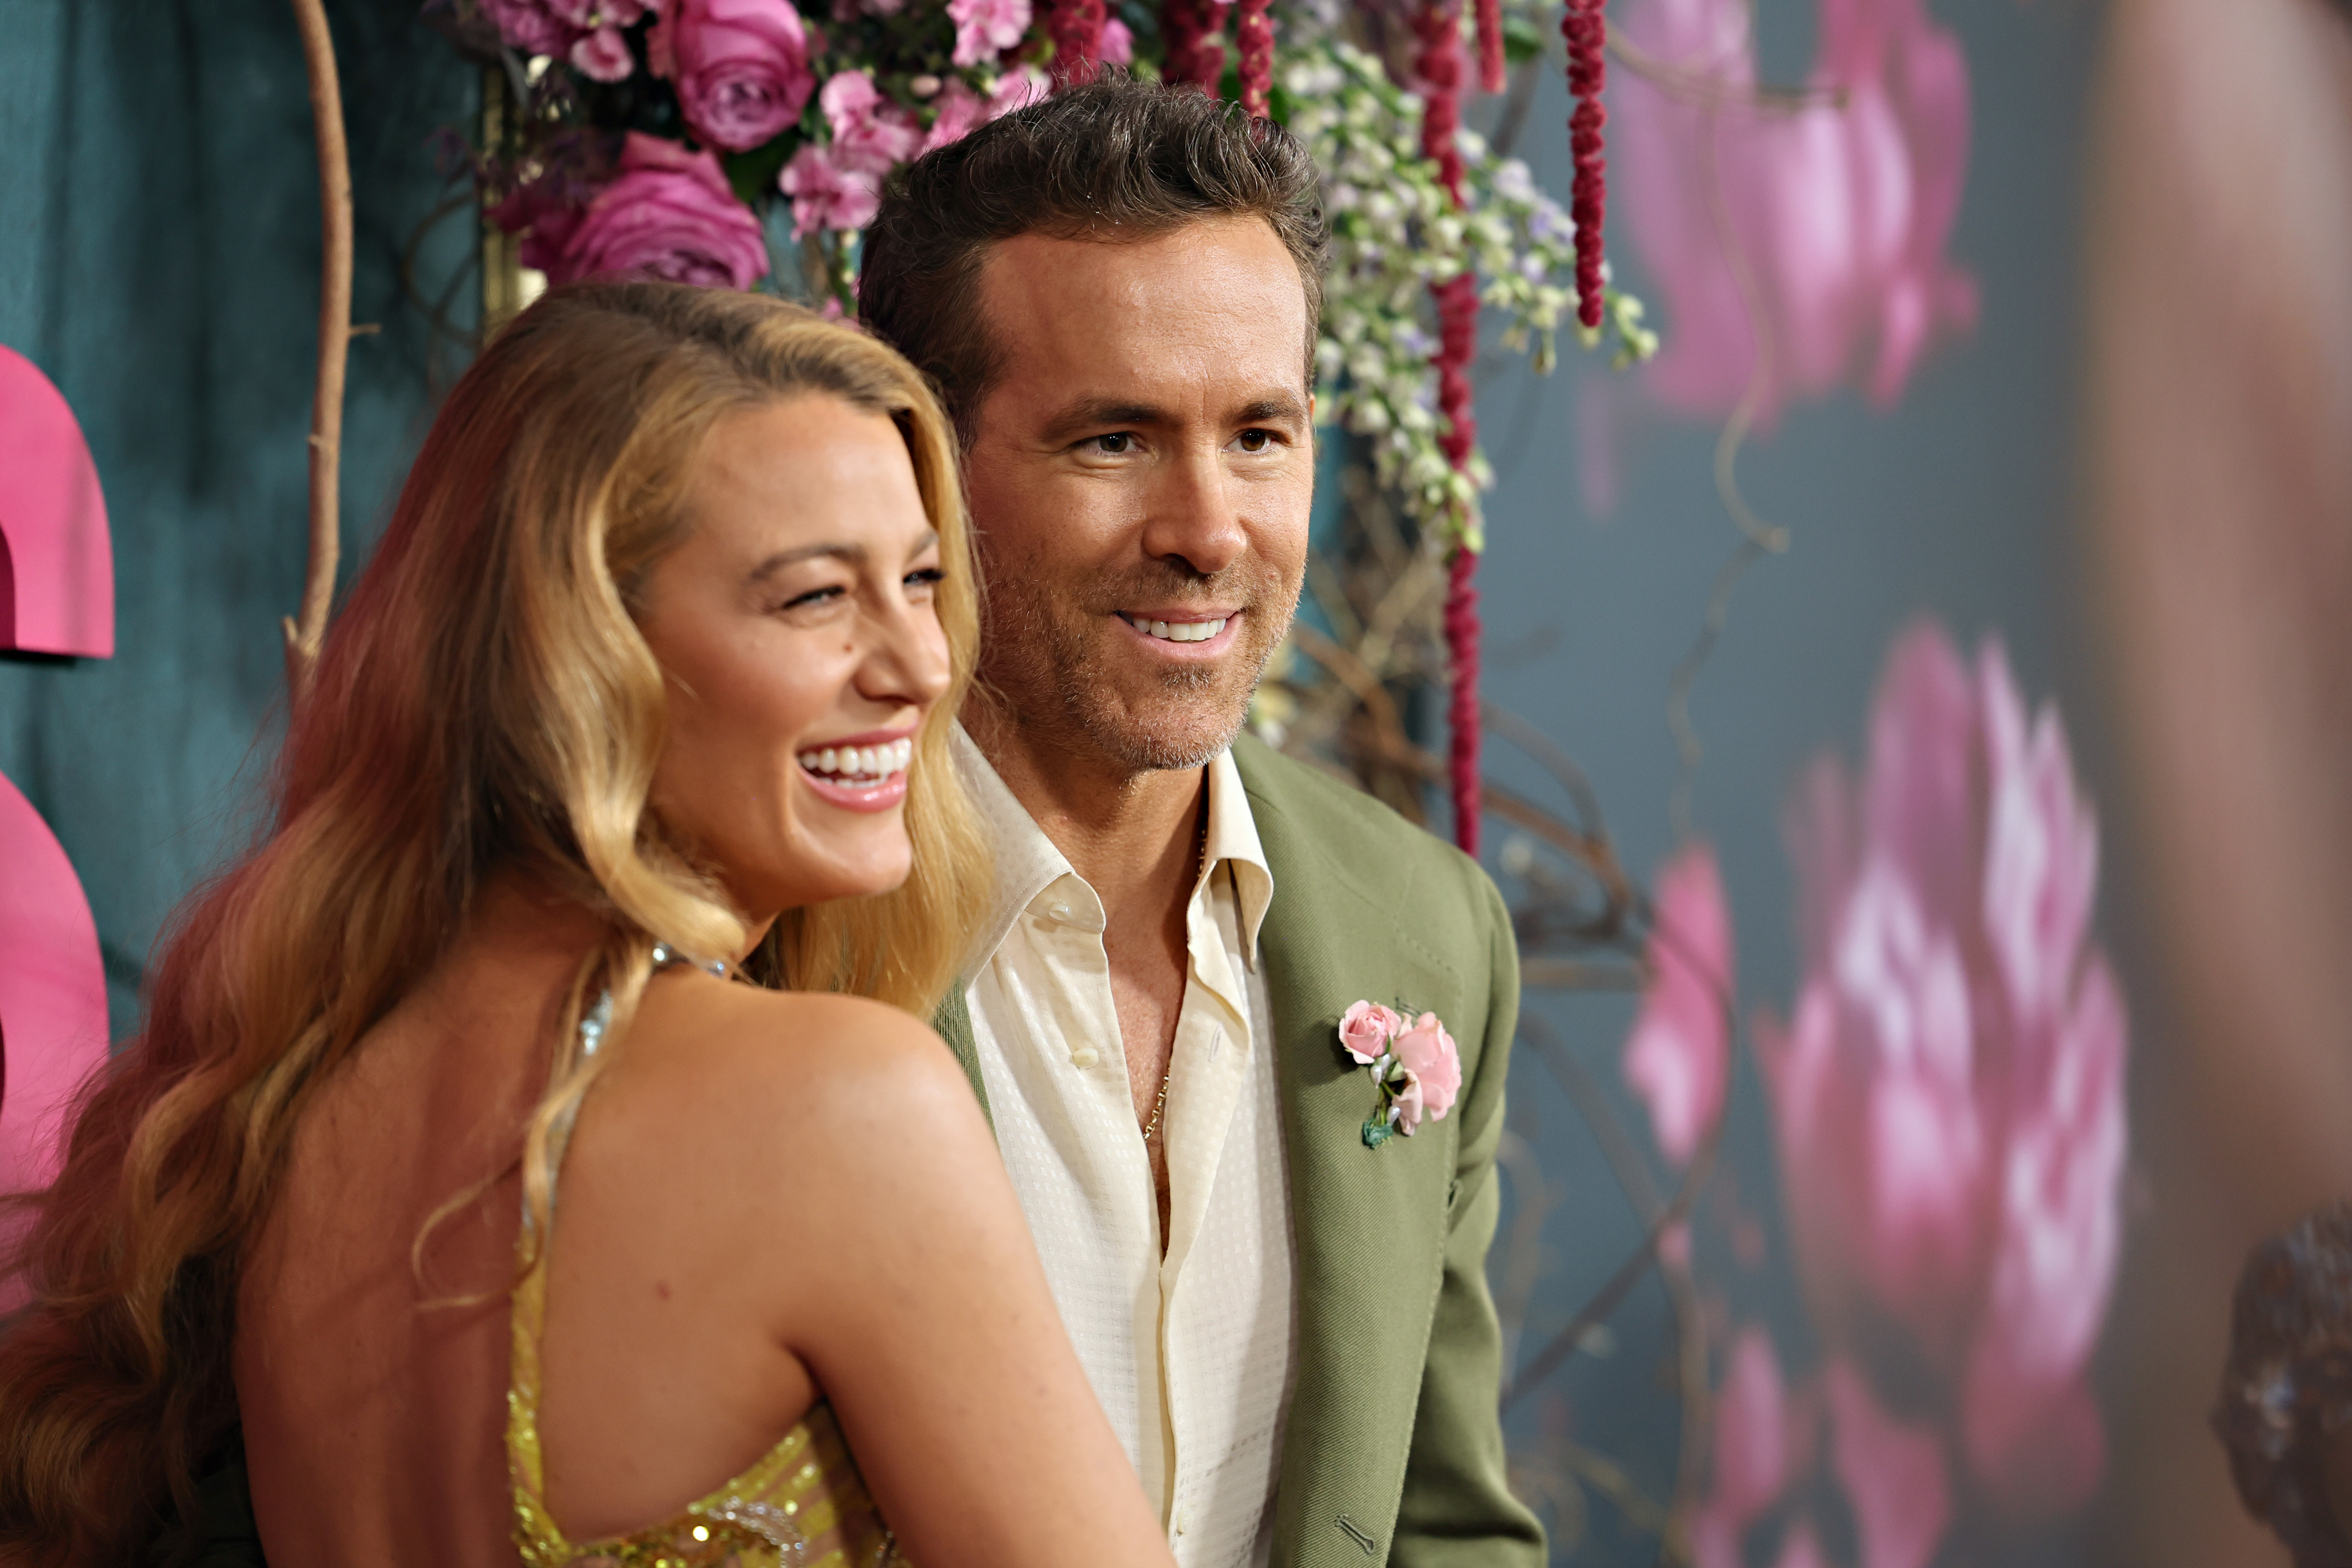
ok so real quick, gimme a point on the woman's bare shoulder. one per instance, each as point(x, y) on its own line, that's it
point(828, 1070)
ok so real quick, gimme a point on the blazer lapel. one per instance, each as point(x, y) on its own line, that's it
point(1370, 1223)
point(953, 1022)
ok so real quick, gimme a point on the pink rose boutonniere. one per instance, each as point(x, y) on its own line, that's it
point(1412, 1059)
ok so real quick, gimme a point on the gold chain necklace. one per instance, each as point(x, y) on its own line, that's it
point(1200, 866)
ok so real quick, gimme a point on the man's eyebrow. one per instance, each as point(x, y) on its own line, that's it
point(1273, 408)
point(1098, 413)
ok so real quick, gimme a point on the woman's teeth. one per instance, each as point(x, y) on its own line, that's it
point(861, 761)
point(1177, 631)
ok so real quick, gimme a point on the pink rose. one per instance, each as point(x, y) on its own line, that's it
point(986, 29)
point(1432, 1069)
point(669, 213)
point(829, 192)
point(1365, 1030)
point(741, 68)
point(1405, 1110)
point(867, 128)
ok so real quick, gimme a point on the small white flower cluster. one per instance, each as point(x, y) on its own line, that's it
point(1394, 232)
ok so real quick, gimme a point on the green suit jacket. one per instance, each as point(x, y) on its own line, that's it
point(1394, 1450)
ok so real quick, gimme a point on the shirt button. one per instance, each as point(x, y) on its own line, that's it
point(1085, 1057)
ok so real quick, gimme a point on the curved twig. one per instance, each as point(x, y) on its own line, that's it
point(304, 636)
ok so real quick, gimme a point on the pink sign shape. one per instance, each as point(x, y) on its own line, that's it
point(52, 999)
point(56, 561)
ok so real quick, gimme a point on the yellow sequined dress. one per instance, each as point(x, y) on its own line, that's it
point(801, 1505)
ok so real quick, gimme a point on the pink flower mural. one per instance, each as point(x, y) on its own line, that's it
point(1948, 1116)
point(57, 555)
point(1678, 1057)
point(1838, 208)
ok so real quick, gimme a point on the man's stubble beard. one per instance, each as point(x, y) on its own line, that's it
point(1035, 659)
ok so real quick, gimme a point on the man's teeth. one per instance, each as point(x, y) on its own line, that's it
point(861, 761)
point(1177, 631)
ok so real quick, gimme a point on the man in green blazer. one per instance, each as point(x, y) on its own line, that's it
point(1277, 1283)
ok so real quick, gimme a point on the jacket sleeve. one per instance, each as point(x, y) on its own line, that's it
point(1457, 1508)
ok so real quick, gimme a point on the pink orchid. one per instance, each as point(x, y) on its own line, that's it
point(1365, 1030)
point(1678, 1057)
point(669, 212)
point(1948, 1098)
point(741, 68)
point(986, 29)
point(829, 192)
point(1840, 208)
point(1432, 1071)
point(867, 128)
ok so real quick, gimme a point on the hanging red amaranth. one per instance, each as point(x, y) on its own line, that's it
point(1192, 31)
point(1076, 28)
point(1490, 45)
point(1255, 32)
point(1586, 28)
point(1438, 25)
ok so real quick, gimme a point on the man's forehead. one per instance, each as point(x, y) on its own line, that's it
point(1220, 293)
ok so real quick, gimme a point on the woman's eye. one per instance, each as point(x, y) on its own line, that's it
point(811, 599)
point(924, 580)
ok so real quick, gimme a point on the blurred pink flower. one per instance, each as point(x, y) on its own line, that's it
point(829, 191)
point(1758, 1452)
point(1117, 43)
point(961, 110)
point(986, 29)
point(585, 32)
point(1892, 1473)
point(741, 68)
point(1678, 1057)
point(1947, 1099)
point(1840, 208)
point(669, 212)
point(866, 126)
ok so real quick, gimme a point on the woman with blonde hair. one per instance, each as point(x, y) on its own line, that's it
point(644, 695)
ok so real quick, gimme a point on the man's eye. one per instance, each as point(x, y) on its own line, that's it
point(1117, 443)
point(1256, 440)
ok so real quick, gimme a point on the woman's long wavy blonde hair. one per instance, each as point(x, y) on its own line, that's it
point(485, 700)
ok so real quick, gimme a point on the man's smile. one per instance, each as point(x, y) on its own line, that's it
point(1181, 635)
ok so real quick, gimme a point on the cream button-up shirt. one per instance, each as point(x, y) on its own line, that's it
point(1191, 1349)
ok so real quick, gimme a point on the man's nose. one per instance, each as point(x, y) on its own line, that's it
point(1194, 516)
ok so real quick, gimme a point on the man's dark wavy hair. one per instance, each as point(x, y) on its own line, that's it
point(1116, 160)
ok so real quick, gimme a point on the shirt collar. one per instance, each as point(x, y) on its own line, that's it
point(1027, 863)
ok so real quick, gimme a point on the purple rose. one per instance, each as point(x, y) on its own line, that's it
point(741, 68)
point(669, 213)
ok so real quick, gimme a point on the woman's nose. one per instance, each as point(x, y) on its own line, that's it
point(907, 661)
